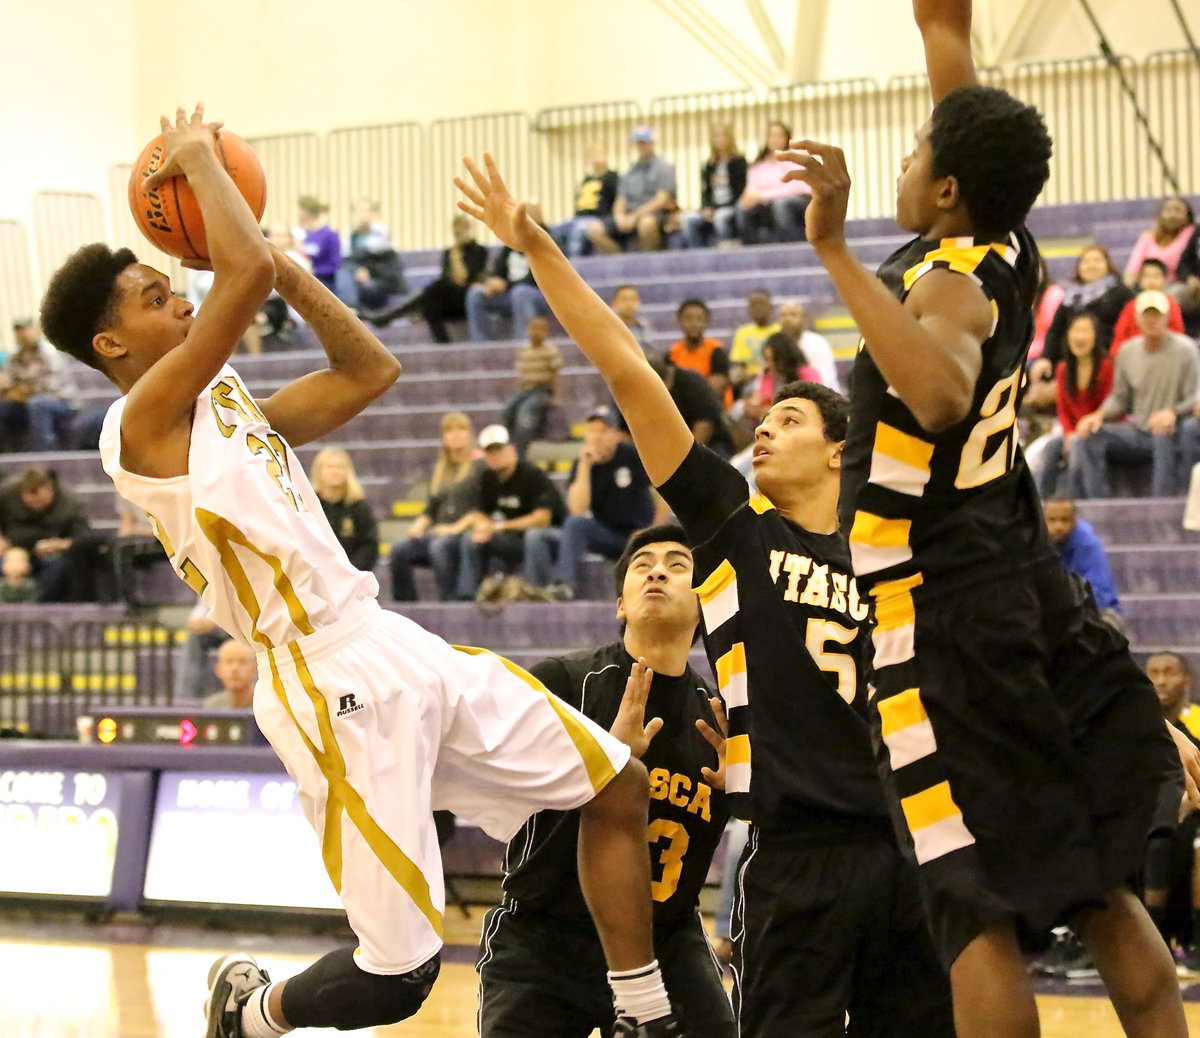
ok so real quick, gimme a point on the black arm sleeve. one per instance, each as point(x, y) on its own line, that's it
point(704, 492)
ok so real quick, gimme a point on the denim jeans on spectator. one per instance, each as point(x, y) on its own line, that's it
point(573, 235)
point(1048, 472)
point(441, 552)
point(521, 302)
point(581, 534)
point(474, 560)
point(524, 416)
point(50, 421)
point(781, 220)
point(14, 424)
point(542, 545)
point(699, 232)
point(1189, 448)
point(1126, 444)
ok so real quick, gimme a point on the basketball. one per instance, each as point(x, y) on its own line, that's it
point(169, 215)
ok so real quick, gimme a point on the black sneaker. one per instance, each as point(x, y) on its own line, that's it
point(231, 980)
point(662, 1027)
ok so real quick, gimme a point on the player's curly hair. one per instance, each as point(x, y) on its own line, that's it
point(834, 408)
point(82, 300)
point(999, 151)
point(638, 540)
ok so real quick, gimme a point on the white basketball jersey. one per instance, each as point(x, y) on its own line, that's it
point(244, 528)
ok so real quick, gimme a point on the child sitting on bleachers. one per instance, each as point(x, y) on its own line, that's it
point(17, 585)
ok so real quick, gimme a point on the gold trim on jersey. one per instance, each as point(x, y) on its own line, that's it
point(900, 462)
point(224, 535)
point(877, 543)
point(599, 768)
point(895, 620)
point(731, 676)
point(961, 255)
point(935, 822)
point(342, 799)
point(737, 764)
point(907, 731)
point(760, 503)
point(718, 594)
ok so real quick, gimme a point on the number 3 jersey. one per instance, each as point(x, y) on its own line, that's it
point(959, 504)
point(243, 528)
point(785, 630)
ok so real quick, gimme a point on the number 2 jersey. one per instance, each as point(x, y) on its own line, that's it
point(958, 505)
point(243, 527)
point(785, 630)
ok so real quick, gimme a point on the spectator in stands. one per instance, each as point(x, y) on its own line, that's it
point(134, 548)
point(1166, 241)
point(782, 362)
point(38, 394)
point(51, 525)
point(626, 304)
point(237, 671)
point(276, 319)
point(645, 198)
point(538, 365)
point(1171, 866)
point(515, 496)
point(772, 209)
point(202, 637)
point(445, 298)
point(745, 354)
point(1083, 382)
point(699, 353)
point(1046, 302)
point(508, 291)
point(1083, 553)
point(793, 321)
point(1154, 387)
point(722, 183)
point(699, 405)
point(432, 539)
point(349, 514)
point(372, 273)
point(1186, 289)
point(321, 242)
point(1095, 288)
point(593, 201)
point(17, 584)
point(608, 498)
point(1151, 278)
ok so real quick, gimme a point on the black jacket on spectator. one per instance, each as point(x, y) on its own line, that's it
point(384, 266)
point(1106, 309)
point(736, 166)
point(602, 188)
point(474, 257)
point(455, 500)
point(526, 489)
point(515, 272)
point(22, 527)
point(355, 528)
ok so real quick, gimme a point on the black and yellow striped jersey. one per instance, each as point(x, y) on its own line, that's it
point(959, 504)
point(785, 630)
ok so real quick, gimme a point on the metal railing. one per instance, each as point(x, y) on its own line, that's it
point(1102, 151)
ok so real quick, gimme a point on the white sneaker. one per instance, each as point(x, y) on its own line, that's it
point(231, 980)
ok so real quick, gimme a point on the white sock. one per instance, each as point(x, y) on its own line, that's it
point(257, 1021)
point(638, 993)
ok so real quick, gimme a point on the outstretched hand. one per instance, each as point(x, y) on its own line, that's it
point(715, 739)
point(823, 168)
point(629, 727)
point(186, 134)
point(489, 201)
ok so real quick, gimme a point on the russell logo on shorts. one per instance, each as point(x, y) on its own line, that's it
point(347, 705)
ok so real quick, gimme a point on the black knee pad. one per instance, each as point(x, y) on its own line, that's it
point(334, 992)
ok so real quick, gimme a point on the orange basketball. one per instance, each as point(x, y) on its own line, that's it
point(169, 215)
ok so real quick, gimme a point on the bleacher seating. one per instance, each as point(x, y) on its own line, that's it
point(1156, 562)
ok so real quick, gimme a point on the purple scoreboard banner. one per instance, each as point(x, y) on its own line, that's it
point(206, 826)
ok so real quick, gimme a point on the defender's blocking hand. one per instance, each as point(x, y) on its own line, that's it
point(629, 727)
point(489, 201)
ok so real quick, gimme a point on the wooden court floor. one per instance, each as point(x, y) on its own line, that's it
point(88, 985)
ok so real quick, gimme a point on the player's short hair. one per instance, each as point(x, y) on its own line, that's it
point(83, 298)
point(638, 540)
point(1179, 658)
point(997, 148)
point(834, 408)
point(688, 303)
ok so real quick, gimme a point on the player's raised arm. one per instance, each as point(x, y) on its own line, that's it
point(662, 437)
point(160, 404)
point(946, 32)
point(360, 366)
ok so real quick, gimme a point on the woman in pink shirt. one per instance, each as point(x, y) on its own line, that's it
point(772, 209)
point(1166, 240)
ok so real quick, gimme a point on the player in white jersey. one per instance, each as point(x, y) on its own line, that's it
point(378, 721)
